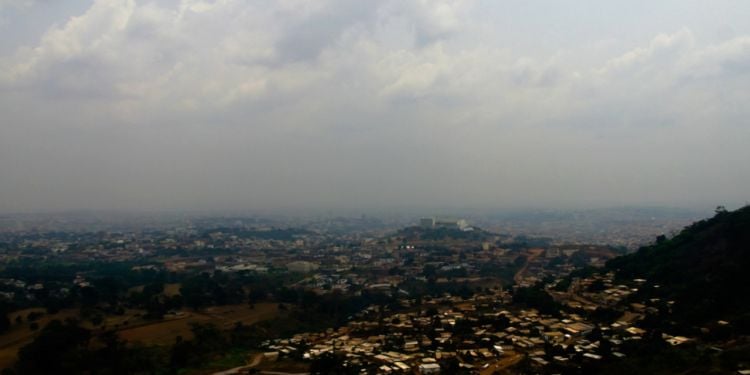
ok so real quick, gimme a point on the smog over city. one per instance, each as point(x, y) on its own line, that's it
point(374, 187)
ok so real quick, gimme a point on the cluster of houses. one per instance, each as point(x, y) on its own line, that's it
point(475, 333)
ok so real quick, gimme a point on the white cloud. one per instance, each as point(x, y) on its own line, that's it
point(239, 90)
point(209, 55)
point(664, 48)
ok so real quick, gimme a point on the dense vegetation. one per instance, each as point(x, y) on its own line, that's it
point(536, 297)
point(73, 349)
point(278, 234)
point(441, 233)
point(704, 269)
point(68, 348)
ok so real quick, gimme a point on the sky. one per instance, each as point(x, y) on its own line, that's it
point(340, 104)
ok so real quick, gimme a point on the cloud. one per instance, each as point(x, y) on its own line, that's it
point(664, 48)
point(67, 55)
point(15, 3)
point(233, 103)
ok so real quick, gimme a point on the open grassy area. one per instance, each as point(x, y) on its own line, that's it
point(166, 331)
point(170, 290)
point(132, 327)
point(229, 360)
point(284, 365)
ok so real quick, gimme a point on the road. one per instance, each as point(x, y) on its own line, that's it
point(238, 370)
point(533, 254)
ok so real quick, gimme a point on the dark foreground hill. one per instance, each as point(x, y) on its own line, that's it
point(705, 270)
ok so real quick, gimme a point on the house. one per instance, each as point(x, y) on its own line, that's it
point(429, 368)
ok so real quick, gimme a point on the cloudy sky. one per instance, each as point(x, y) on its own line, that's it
point(240, 104)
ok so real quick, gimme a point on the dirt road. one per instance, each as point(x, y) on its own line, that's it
point(533, 254)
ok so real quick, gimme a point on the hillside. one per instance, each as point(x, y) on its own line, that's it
point(705, 269)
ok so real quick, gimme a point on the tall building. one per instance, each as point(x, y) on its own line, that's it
point(451, 224)
point(427, 222)
point(431, 222)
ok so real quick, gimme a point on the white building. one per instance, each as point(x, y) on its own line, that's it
point(429, 368)
point(431, 222)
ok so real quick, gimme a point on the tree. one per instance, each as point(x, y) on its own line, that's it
point(181, 353)
point(59, 348)
point(89, 296)
point(328, 363)
point(153, 289)
point(429, 270)
point(537, 298)
point(196, 290)
point(108, 289)
point(597, 286)
point(4, 320)
point(208, 337)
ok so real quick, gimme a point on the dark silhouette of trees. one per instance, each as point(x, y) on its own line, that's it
point(59, 348)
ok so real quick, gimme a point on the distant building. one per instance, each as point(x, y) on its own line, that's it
point(460, 224)
point(429, 368)
point(427, 222)
point(431, 223)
